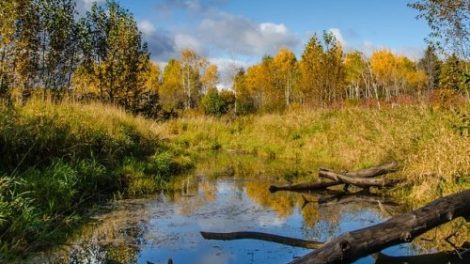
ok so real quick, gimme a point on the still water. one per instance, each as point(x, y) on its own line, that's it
point(168, 225)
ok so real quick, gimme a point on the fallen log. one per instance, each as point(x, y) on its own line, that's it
point(263, 236)
point(399, 229)
point(359, 182)
point(365, 173)
point(373, 171)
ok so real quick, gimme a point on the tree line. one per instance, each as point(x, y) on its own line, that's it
point(325, 74)
point(49, 50)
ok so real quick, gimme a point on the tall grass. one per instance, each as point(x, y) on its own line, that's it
point(433, 150)
point(58, 160)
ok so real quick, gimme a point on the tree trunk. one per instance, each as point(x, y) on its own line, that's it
point(399, 229)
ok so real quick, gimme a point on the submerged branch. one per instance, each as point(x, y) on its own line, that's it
point(263, 236)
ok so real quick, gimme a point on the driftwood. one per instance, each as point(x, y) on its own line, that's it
point(263, 236)
point(399, 229)
point(335, 178)
point(373, 171)
point(359, 182)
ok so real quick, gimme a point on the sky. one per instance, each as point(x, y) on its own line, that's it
point(240, 32)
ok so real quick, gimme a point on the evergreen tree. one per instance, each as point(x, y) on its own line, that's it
point(431, 65)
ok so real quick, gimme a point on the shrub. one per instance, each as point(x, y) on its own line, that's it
point(212, 103)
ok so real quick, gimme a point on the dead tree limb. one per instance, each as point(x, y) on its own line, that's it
point(263, 236)
point(399, 229)
point(365, 173)
point(373, 171)
point(359, 182)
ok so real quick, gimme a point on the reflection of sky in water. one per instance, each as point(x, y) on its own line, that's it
point(172, 235)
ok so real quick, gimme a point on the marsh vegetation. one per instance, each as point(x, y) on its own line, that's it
point(90, 123)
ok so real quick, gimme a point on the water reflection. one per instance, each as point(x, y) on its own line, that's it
point(225, 196)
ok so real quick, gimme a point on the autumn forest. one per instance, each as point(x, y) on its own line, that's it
point(49, 51)
point(124, 143)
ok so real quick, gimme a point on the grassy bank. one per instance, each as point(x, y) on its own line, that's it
point(56, 161)
point(432, 143)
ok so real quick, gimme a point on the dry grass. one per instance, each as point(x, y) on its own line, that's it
point(59, 160)
point(434, 153)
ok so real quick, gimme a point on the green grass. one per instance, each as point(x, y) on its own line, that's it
point(428, 142)
point(57, 161)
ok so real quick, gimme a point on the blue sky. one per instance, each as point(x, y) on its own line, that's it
point(240, 31)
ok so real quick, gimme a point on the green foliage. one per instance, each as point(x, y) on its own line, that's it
point(428, 141)
point(58, 160)
point(431, 65)
point(19, 218)
point(55, 188)
point(449, 23)
point(452, 75)
point(216, 103)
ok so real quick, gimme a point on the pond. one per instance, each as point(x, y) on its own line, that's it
point(223, 197)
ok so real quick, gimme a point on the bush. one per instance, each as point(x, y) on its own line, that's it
point(217, 103)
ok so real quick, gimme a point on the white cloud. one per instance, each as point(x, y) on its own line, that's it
point(246, 37)
point(412, 52)
point(146, 27)
point(227, 68)
point(186, 41)
point(367, 48)
point(270, 28)
point(195, 6)
point(214, 33)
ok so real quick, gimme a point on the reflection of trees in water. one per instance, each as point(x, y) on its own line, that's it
point(320, 220)
point(281, 203)
point(257, 175)
point(456, 232)
point(118, 233)
point(113, 238)
point(195, 193)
